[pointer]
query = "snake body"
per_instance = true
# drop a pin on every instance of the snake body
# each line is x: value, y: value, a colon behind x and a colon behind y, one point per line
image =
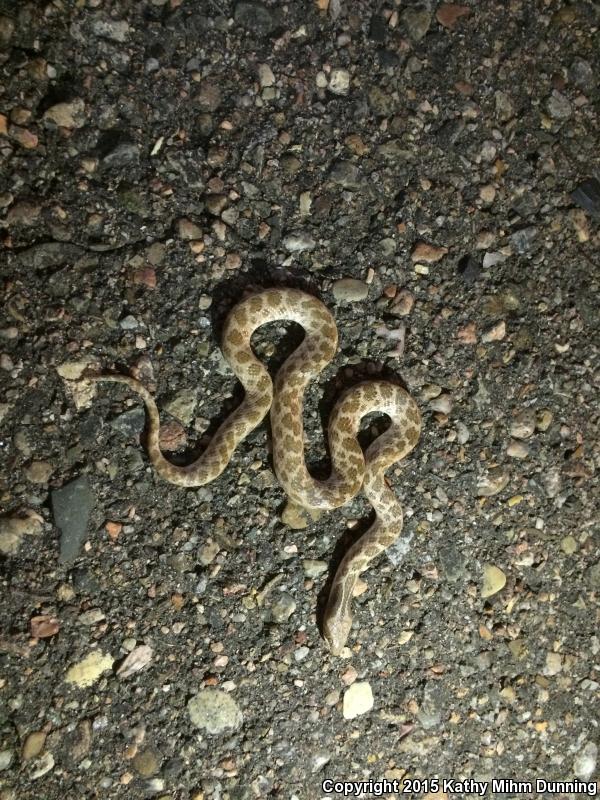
x: 351, y: 469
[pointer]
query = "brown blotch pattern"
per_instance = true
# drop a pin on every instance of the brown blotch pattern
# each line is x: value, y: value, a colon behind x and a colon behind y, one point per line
x: 350, y: 469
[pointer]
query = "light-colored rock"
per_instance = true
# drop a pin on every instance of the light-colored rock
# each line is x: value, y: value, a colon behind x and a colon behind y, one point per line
x: 214, y: 711
x: 188, y: 230
x: 283, y: 607
x: 349, y: 290
x: 442, y: 404
x: 491, y: 484
x: 87, y: 671
x: 314, y: 568
x: 427, y: 253
x: 496, y: 333
x: 299, y: 242
x: 584, y: 765
x: 136, y: 660
x: 339, y: 81
x: 14, y: 528
x: 265, y: 75
x: 493, y: 580
x: 523, y: 424
x: 517, y: 449
x: 39, y: 471
x: 67, y: 115
x: 358, y: 700
x: 33, y: 745
x: 553, y: 665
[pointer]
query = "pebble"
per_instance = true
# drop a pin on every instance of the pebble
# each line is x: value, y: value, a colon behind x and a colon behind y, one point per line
x: 346, y: 174
x: 301, y: 653
x: 587, y: 195
x: 448, y: 14
x: 208, y: 553
x: 543, y: 420
x: 584, y: 765
x: 358, y: 700
x: 469, y: 269
x: 265, y: 75
x: 524, y: 424
x: 113, y: 29
x: 491, y: 484
x: 67, y: 115
x: 188, y: 230
x: 41, y: 766
x: 568, y: 545
x: 122, y: 155
x: 493, y: 580
x: 254, y: 16
x: 349, y: 290
x: 135, y: 661
x: 39, y: 471
x: 558, y: 106
x: 299, y: 242
x: 22, y: 213
x: 428, y: 253
x: 130, y: 423
x: 496, y: 333
x: 504, y: 106
x: 33, y: 745
x: 403, y: 303
x: 214, y: 711
x: 582, y: 75
x: 339, y: 82
x: 517, y: 449
x: 522, y: 240
x: 183, y: 406
x: 283, y: 607
x: 147, y: 762
x: 50, y: 254
x: 553, y: 665
x: 87, y: 671
x: 71, y: 506
x: 208, y: 97
x: 313, y: 568
x: 14, y: 528
x: 552, y: 482
x: 43, y: 626
x: 417, y: 22
x: 442, y: 404
x: 6, y: 758
x: 129, y: 323
x: 487, y: 194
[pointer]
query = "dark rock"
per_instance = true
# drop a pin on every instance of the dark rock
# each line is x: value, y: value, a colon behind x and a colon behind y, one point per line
x: 388, y: 58
x: 130, y: 423
x: 255, y: 17
x: 377, y: 28
x: 346, y: 174
x: 51, y: 254
x: 523, y: 239
x: 469, y: 269
x: 587, y: 196
x: 582, y: 75
x: 122, y: 155
x: 71, y: 506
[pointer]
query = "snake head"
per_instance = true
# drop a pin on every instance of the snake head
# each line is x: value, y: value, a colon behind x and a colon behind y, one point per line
x: 337, y: 622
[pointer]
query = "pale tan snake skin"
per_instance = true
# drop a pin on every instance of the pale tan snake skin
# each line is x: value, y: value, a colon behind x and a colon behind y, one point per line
x: 351, y: 470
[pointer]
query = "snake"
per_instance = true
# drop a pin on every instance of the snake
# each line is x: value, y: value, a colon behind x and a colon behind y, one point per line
x: 351, y: 469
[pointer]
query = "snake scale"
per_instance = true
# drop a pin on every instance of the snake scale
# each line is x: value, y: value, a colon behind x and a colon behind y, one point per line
x: 351, y: 470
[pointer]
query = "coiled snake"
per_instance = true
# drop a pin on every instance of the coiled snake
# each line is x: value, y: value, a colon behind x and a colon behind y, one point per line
x: 351, y: 469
